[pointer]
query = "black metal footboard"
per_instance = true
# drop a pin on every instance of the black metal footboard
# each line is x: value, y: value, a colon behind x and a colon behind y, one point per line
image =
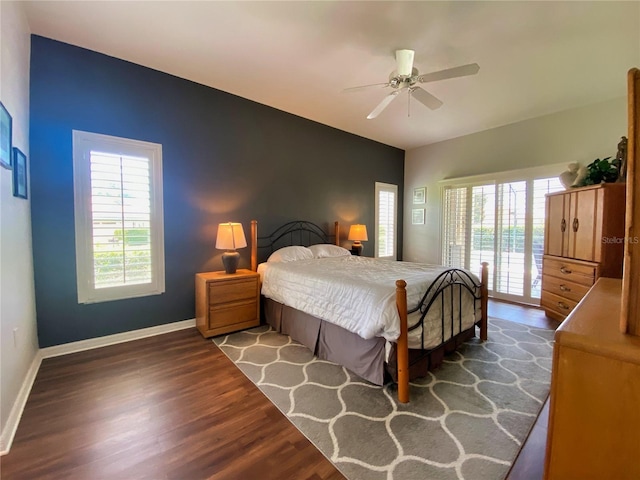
x: 457, y: 283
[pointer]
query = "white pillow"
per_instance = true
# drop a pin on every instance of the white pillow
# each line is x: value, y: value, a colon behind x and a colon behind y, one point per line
x: 290, y: 254
x: 323, y: 250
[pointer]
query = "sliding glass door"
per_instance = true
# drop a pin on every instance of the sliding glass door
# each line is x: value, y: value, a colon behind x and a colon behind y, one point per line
x: 501, y: 223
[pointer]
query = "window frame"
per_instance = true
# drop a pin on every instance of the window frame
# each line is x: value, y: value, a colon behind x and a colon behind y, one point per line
x: 83, y: 144
x: 386, y: 187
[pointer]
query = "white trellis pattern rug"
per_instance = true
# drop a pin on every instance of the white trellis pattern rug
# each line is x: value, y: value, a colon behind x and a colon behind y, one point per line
x: 467, y: 420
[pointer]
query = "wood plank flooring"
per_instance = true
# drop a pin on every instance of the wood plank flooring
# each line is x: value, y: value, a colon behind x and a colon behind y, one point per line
x: 166, y: 407
x: 174, y: 407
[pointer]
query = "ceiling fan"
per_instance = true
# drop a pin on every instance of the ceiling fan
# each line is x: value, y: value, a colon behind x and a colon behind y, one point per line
x: 406, y: 78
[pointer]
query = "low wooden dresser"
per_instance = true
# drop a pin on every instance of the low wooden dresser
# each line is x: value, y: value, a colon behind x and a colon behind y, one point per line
x: 594, y: 408
x: 227, y: 302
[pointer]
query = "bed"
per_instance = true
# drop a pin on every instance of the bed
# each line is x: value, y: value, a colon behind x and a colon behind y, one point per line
x: 378, y: 318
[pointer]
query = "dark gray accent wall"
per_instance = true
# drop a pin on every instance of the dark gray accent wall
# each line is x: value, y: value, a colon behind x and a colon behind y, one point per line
x: 225, y: 158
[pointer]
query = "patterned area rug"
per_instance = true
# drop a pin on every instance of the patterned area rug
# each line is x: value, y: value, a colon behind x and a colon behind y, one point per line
x: 466, y: 420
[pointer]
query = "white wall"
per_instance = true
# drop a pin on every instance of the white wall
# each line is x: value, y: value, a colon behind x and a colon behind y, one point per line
x: 577, y: 135
x: 17, y: 301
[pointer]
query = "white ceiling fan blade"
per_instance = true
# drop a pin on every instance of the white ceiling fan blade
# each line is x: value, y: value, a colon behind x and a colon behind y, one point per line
x: 461, y: 71
x: 383, y: 104
x: 362, y: 87
x: 426, y: 98
x: 404, y: 62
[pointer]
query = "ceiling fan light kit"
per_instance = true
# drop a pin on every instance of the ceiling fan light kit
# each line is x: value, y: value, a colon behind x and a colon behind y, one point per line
x: 404, y: 62
x: 405, y: 77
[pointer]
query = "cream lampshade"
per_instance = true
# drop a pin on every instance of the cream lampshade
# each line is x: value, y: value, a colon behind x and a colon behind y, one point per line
x: 230, y: 237
x: 358, y: 233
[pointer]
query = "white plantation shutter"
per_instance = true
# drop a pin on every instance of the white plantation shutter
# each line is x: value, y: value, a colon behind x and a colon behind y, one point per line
x: 386, y: 218
x: 483, y: 221
x: 119, y: 227
x: 121, y: 214
x: 455, y: 227
x: 510, y: 237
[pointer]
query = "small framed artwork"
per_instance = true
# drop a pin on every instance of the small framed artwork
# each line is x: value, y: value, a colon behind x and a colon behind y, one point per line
x: 417, y: 216
x: 419, y: 195
x: 5, y: 137
x: 19, y: 174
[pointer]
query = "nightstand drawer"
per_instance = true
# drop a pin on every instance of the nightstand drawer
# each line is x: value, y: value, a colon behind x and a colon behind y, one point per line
x: 564, y: 288
x: 581, y: 273
x: 232, y: 313
x: 232, y: 291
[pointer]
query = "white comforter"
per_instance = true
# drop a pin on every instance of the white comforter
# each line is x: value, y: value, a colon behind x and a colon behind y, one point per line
x: 357, y: 293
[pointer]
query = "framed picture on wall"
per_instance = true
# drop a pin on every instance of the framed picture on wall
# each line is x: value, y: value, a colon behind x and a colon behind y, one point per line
x: 5, y: 137
x: 419, y: 195
x: 19, y: 174
x: 417, y: 216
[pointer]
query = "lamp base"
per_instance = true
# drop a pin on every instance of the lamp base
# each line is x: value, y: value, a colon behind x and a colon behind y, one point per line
x: 230, y: 261
x: 356, y: 248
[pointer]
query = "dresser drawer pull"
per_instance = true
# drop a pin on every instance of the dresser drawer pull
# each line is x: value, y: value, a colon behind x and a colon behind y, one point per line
x: 563, y: 225
x: 564, y: 288
x: 565, y: 270
x: 576, y: 224
x: 563, y: 306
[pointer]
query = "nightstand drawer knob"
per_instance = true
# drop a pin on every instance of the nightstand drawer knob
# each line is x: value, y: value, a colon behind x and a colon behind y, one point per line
x: 563, y: 306
x: 564, y: 288
x: 565, y: 270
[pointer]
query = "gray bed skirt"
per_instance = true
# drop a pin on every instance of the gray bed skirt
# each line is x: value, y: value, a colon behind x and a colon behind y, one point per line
x: 365, y: 358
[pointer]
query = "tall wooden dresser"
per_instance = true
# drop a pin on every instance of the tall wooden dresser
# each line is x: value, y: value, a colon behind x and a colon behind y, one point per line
x: 584, y: 240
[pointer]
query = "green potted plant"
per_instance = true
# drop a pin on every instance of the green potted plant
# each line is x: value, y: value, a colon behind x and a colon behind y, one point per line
x: 600, y: 171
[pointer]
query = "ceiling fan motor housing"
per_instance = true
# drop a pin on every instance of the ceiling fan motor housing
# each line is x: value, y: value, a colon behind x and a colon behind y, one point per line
x: 399, y: 81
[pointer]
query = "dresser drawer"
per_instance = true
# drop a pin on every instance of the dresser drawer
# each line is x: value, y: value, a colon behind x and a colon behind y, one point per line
x: 556, y: 303
x: 581, y: 273
x: 232, y: 313
x: 564, y: 288
x: 232, y: 291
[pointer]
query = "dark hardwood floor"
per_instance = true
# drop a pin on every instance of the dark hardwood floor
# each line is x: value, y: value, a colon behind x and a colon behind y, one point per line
x: 165, y: 407
x: 174, y: 407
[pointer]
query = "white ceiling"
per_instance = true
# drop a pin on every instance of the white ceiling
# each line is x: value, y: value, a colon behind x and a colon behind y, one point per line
x: 535, y: 57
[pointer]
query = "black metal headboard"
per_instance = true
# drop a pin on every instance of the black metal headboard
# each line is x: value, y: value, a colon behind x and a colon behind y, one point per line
x: 298, y: 232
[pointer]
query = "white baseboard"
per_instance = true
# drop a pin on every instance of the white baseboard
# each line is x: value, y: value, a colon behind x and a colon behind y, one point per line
x: 9, y: 431
x: 92, y: 343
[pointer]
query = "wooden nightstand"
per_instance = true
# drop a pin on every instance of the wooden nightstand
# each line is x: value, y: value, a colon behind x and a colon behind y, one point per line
x: 227, y: 302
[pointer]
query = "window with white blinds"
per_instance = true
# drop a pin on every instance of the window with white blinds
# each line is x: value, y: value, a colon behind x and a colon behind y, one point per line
x: 386, y: 220
x: 455, y: 227
x: 119, y: 225
x: 502, y: 223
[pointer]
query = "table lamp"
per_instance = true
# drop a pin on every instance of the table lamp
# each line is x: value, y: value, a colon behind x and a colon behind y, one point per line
x: 358, y: 233
x: 230, y: 237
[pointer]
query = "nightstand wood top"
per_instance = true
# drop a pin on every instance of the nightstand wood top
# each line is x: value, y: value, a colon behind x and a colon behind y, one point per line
x: 222, y: 275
